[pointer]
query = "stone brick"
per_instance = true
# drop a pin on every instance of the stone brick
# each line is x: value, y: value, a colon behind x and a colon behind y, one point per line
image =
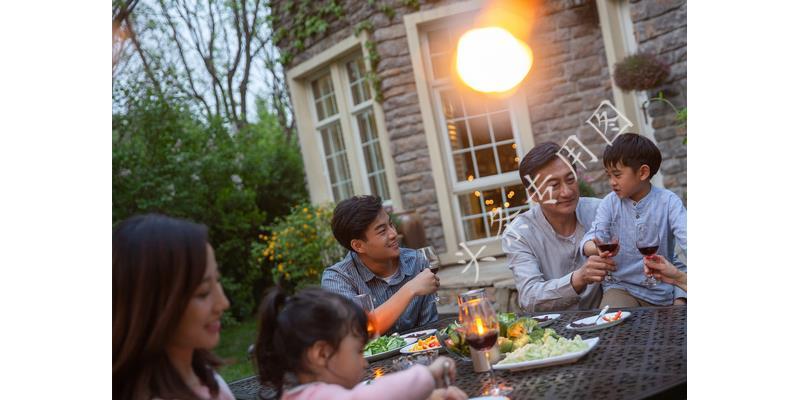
x: 581, y: 69
x: 544, y: 112
x: 401, y: 112
x: 405, y: 131
x: 412, y: 166
x: 651, y: 28
x: 390, y: 32
x: 410, y: 89
x: 404, y: 157
x: 650, y: 9
x: 397, y: 80
x: 392, y: 48
x: 390, y: 72
x: 409, y: 144
x: 568, y: 19
x: 565, y: 123
x: 422, y: 197
x: 585, y: 30
x: 410, y: 187
x: 388, y: 62
x: 398, y: 121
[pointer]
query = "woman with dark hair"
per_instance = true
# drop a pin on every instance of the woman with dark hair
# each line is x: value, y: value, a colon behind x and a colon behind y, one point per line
x: 167, y: 305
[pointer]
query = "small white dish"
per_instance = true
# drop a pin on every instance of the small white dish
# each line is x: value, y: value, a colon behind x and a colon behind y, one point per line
x: 386, y: 354
x: 550, y: 319
x: 550, y: 361
x: 407, y: 349
x: 419, y: 334
x: 601, y: 324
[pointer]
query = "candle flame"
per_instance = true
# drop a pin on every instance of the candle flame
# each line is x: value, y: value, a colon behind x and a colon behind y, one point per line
x: 479, y: 325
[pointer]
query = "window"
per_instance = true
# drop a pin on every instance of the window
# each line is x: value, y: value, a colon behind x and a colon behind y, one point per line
x: 342, y: 103
x: 480, y: 143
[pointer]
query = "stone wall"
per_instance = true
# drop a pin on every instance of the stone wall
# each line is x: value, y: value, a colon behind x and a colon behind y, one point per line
x: 569, y: 80
x: 660, y: 27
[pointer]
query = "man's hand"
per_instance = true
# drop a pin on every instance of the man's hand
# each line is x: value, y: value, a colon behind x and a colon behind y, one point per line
x: 426, y: 282
x: 607, y: 254
x: 590, y: 249
x: 593, y: 271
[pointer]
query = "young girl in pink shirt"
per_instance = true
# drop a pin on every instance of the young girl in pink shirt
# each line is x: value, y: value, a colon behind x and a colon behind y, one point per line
x: 316, y: 339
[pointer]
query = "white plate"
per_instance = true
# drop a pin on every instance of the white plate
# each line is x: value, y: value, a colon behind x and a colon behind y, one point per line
x: 553, y: 318
x: 385, y: 354
x: 602, y: 324
x: 547, y: 362
x: 419, y: 334
x: 407, y: 349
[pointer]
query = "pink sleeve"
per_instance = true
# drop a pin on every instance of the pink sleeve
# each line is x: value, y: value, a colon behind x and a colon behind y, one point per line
x: 415, y: 383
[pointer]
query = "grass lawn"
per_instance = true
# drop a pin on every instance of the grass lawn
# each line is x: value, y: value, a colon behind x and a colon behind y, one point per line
x: 232, y: 347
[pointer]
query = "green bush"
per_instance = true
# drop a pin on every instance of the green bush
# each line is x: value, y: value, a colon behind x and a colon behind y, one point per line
x: 168, y: 160
x: 298, y: 247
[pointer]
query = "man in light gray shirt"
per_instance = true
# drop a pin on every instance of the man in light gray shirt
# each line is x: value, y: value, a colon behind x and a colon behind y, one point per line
x: 543, y: 244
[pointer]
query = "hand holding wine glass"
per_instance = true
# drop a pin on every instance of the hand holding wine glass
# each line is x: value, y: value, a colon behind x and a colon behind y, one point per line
x: 607, y: 241
x: 429, y: 254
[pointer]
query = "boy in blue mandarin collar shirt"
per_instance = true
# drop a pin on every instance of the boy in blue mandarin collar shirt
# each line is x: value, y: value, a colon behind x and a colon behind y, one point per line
x: 630, y: 162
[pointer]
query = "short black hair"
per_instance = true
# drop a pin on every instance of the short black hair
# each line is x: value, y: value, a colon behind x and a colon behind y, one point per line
x: 352, y: 217
x: 633, y: 150
x: 539, y: 156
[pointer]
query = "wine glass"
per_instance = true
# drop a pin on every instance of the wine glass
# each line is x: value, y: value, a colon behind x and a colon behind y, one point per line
x: 365, y: 301
x: 482, y: 327
x: 647, y: 241
x: 465, y: 297
x: 607, y: 239
x: 433, y: 263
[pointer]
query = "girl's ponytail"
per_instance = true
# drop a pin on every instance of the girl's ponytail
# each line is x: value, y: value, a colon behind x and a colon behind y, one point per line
x: 270, y: 365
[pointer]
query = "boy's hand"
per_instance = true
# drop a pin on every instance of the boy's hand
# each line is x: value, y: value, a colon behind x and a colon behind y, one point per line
x: 440, y: 367
x: 426, y: 282
x: 593, y: 271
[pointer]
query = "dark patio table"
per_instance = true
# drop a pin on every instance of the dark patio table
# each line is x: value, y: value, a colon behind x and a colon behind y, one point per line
x: 643, y: 357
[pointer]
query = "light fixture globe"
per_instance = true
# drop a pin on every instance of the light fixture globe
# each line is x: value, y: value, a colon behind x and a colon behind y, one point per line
x: 492, y: 60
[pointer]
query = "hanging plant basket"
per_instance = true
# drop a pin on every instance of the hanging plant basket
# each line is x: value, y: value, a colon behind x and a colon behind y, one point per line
x: 641, y: 71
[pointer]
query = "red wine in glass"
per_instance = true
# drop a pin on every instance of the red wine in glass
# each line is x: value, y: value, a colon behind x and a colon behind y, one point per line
x: 482, y: 342
x: 648, y: 250
x: 609, y: 247
x: 647, y: 241
x: 434, y: 266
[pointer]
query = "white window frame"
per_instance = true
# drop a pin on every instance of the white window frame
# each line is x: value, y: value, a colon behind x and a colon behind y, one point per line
x: 332, y: 61
x: 417, y: 24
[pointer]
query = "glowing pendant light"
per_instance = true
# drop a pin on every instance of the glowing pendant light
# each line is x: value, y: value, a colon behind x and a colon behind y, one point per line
x: 492, y: 60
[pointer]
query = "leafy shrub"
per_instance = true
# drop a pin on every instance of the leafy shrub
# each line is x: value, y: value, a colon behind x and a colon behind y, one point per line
x: 298, y: 247
x: 641, y: 71
x: 168, y: 160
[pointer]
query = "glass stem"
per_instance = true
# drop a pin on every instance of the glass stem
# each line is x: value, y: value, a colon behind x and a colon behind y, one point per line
x: 491, y: 370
